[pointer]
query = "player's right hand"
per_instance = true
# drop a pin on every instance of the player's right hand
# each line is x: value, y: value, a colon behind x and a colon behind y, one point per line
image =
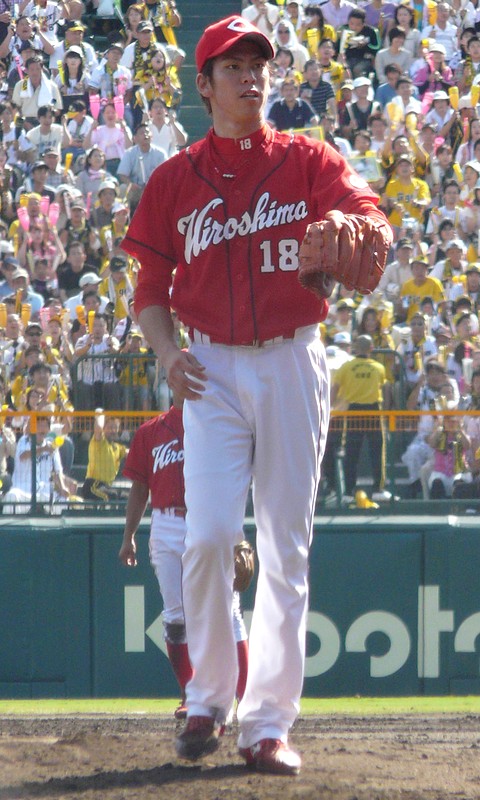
x: 128, y: 554
x: 185, y: 375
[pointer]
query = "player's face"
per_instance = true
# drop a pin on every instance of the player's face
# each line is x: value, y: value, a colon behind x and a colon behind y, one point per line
x: 237, y: 89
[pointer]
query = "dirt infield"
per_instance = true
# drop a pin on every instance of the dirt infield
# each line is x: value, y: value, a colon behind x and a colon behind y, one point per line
x: 81, y: 757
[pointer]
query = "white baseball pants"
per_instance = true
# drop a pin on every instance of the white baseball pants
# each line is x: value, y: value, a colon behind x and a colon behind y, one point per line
x: 263, y: 417
x: 166, y: 546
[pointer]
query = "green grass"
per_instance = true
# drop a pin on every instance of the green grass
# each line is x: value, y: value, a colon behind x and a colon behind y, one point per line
x: 309, y: 706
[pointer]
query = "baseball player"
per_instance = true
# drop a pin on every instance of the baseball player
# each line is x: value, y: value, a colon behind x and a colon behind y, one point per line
x: 228, y: 215
x: 155, y: 465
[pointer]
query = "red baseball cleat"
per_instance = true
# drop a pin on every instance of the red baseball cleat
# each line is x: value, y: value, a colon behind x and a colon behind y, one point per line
x: 272, y: 755
x: 181, y: 710
x: 199, y: 738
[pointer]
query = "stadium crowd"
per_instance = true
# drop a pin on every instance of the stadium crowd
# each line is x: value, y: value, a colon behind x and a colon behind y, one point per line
x: 91, y: 103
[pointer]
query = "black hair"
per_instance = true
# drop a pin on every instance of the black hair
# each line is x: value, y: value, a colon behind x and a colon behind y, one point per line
x: 357, y: 13
x: 396, y: 32
x: 410, y: 11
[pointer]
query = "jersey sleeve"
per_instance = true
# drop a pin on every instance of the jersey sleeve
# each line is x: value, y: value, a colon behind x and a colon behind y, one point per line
x: 152, y: 245
x: 337, y: 185
x: 136, y: 463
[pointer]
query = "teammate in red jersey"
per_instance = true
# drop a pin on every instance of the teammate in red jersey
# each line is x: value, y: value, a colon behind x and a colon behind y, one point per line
x: 228, y: 215
x: 155, y: 466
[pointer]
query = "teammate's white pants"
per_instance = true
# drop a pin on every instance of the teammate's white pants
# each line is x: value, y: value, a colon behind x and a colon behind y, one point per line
x: 167, y: 545
x: 263, y: 415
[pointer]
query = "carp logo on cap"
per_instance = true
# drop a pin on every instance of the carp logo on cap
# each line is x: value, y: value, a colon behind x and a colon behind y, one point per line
x: 222, y: 35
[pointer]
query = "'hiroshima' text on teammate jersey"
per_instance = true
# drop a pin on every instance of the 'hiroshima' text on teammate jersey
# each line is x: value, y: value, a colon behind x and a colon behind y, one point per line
x: 155, y: 458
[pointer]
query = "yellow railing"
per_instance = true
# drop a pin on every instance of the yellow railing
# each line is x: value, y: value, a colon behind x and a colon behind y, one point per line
x: 71, y: 434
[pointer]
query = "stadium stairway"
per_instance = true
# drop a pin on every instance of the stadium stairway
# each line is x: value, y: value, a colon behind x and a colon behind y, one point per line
x: 196, y: 16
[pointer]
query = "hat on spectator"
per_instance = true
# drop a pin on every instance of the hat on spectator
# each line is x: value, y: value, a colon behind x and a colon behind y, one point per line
x: 6, y: 247
x: 436, y: 47
x: 77, y: 202
x: 458, y: 318
x: 420, y: 260
x: 345, y: 302
x: 74, y: 25
x: 432, y: 125
x: 146, y: 25
x: 362, y: 80
x: 418, y: 315
x: 432, y: 363
x: 465, y: 102
x: 114, y: 46
x: 10, y: 261
x: 75, y: 50
x: 475, y: 267
x: 173, y: 51
x: 89, y: 278
x: 222, y: 35
x: 455, y: 243
x: 107, y: 184
x: 474, y: 164
x: 136, y: 332
x: 404, y: 242
x: 119, y: 206
x: 33, y: 326
x: 342, y: 337
x: 117, y: 264
x: 39, y: 165
x: 404, y: 157
x: 19, y: 273
x: 67, y: 187
x: 440, y: 95
x: 51, y: 150
x: 346, y: 85
x: 443, y: 330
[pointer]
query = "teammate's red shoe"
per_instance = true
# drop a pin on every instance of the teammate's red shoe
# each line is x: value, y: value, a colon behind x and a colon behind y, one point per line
x: 199, y: 738
x: 181, y: 710
x: 272, y: 755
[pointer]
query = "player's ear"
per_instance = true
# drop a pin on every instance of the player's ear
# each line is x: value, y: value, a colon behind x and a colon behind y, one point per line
x: 203, y: 85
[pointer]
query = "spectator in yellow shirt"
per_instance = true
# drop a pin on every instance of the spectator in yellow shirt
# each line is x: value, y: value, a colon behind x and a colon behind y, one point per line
x: 405, y: 195
x: 360, y: 382
x: 420, y: 285
x: 117, y: 286
x: 105, y: 454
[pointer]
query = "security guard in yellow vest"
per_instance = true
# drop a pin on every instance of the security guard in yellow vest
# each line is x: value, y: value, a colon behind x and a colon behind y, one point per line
x: 360, y: 383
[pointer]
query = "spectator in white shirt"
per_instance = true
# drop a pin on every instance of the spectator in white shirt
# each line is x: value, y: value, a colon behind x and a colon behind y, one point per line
x: 262, y: 14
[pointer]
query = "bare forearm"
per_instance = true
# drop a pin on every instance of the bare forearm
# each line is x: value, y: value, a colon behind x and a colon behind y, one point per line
x: 157, y: 327
x: 136, y: 505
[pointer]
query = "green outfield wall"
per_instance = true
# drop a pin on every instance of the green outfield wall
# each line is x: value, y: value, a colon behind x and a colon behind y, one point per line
x: 394, y: 609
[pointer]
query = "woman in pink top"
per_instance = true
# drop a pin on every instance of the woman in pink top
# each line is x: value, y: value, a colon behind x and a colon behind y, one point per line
x: 113, y: 137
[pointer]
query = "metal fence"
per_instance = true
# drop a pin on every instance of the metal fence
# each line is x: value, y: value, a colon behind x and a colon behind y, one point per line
x: 63, y: 444
x: 120, y: 381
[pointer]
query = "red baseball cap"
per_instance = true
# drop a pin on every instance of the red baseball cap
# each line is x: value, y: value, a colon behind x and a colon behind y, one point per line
x: 222, y: 35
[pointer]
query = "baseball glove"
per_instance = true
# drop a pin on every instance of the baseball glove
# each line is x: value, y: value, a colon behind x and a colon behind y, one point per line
x: 348, y: 248
x: 243, y: 556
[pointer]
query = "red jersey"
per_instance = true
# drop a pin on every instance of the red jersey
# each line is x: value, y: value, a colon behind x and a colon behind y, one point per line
x: 229, y: 216
x: 156, y: 459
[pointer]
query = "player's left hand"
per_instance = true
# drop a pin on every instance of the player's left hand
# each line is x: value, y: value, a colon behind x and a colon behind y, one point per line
x: 349, y: 248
